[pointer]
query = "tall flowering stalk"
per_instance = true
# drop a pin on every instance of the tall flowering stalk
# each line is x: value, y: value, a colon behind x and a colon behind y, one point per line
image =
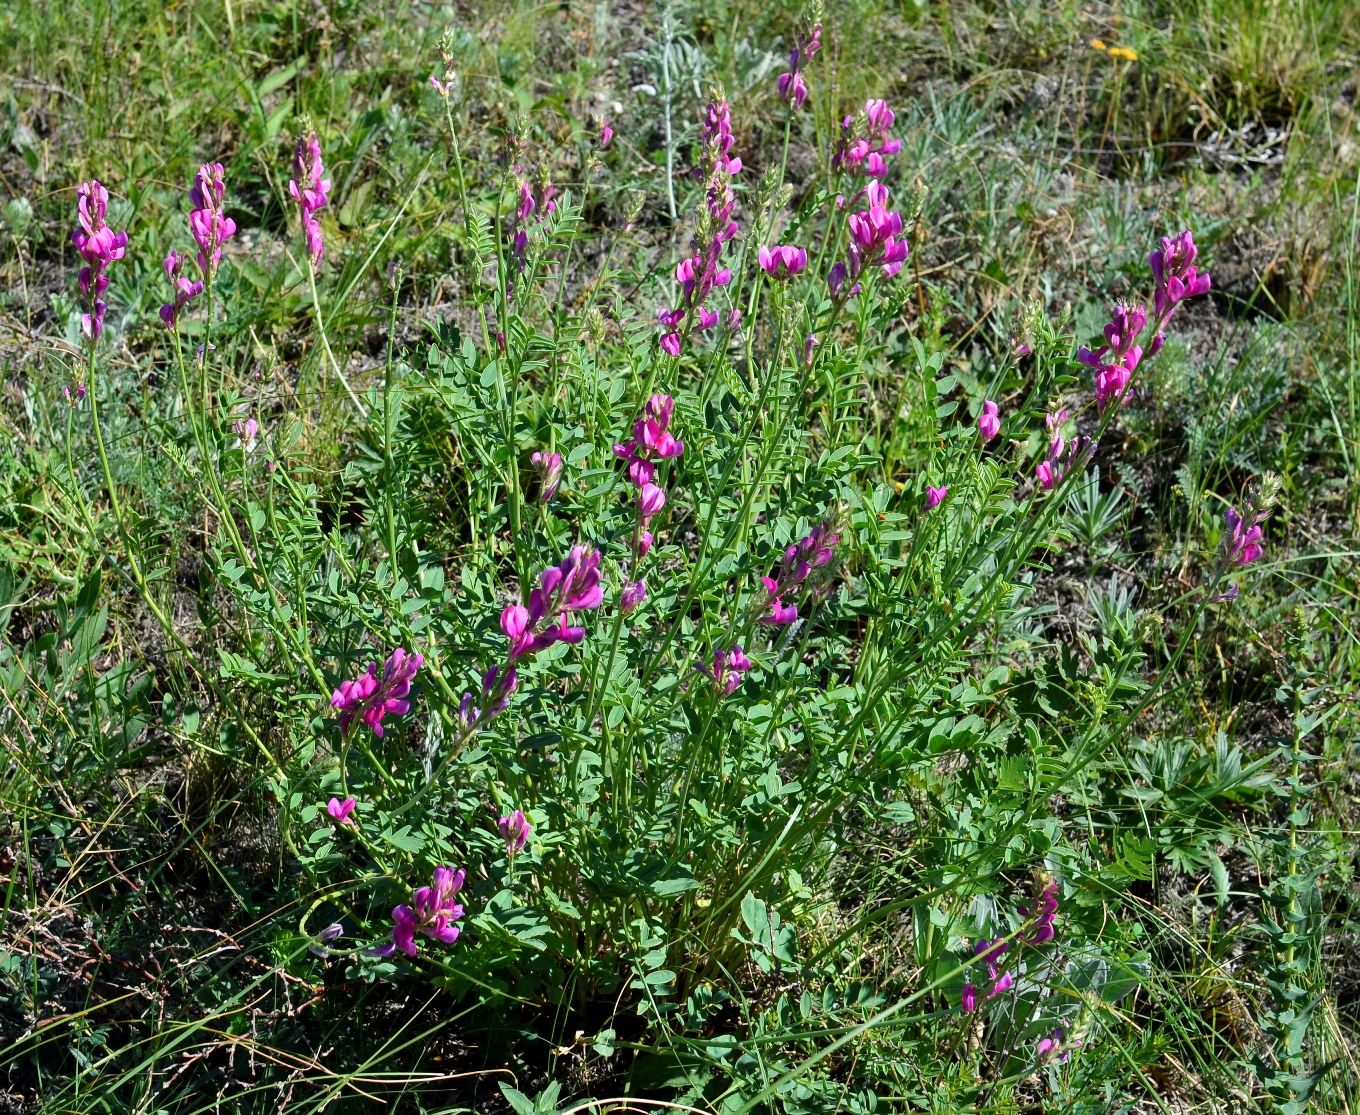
x: 803, y: 567
x: 865, y: 142
x: 373, y: 696
x: 702, y: 270
x: 310, y: 188
x: 98, y: 245
x: 211, y: 228
x: 1175, y: 279
x: 432, y: 913
x: 792, y: 87
x: 569, y: 587
x: 874, y: 241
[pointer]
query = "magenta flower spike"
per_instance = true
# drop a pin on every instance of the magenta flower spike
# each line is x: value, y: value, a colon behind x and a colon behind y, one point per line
x: 372, y: 697
x: 572, y: 586
x: 340, y: 811
x: 309, y: 187
x: 208, y: 220
x: 989, y: 421
x: 1242, y: 542
x: 783, y: 261
x: 98, y: 245
x: 515, y: 830
x: 186, y: 289
x: 1115, y: 361
x: 549, y: 466
x: 935, y: 496
x: 780, y: 614
x: 432, y: 913
x: 1173, y: 268
x: 867, y: 153
x: 728, y: 667
x: 633, y: 595
x: 792, y: 86
x: 701, y: 272
x: 1045, y: 912
x: 874, y: 241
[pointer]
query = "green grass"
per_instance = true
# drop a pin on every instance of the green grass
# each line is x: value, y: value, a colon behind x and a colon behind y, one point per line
x: 766, y: 902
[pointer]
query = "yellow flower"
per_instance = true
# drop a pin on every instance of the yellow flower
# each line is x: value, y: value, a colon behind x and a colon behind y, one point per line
x: 1098, y: 44
x: 1124, y: 52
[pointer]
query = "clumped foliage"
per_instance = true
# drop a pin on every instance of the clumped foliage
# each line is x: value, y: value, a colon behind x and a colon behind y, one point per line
x: 678, y: 564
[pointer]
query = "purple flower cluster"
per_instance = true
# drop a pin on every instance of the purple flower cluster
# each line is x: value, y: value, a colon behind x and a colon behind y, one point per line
x: 549, y: 466
x: 98, y: 245
x: 783, y: 261
x: 1051, y: 470
x: 874, y: 233
x: 537, y: 201
x: 1114, y: 362
x: 572, y: 586
x: 309, y: 188
x: 1242, y: 542
x: 515, y: 830
x: 991, y: 952
x: 989, y: 421
x: 652, y: 441
x: 432, y: 913
x: 211, y: 228
x: 374, y: 696
x: 792, y: 87
x: 185, y: 288
x: 701, y: 271
x: 1173, y: 266
x: 801, y: 560
x: 208, y: 220
x: 865, y: 151
x: 728, y: 667
x: 1117, y: 359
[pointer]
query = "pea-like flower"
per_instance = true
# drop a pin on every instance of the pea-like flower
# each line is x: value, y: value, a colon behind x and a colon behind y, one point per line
x: 549, y: 466
x: 310, y: 188
x: 632, y: 595
x: 1173, y: 267
x: 98, y: 245
x: 865, y: 150
x: 374, y: 696
x: 572, y: 586
x: 728, y: 667
x: 989, y: 421
x: 1242, y: 541
x: 185, y: 288
x: 783, y: 261
x: 340, y: 811
x: 432, y: 913
x: 515, y: 829
x: 791, y: 84
x: 935, y: 496
x: 208, y: 220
